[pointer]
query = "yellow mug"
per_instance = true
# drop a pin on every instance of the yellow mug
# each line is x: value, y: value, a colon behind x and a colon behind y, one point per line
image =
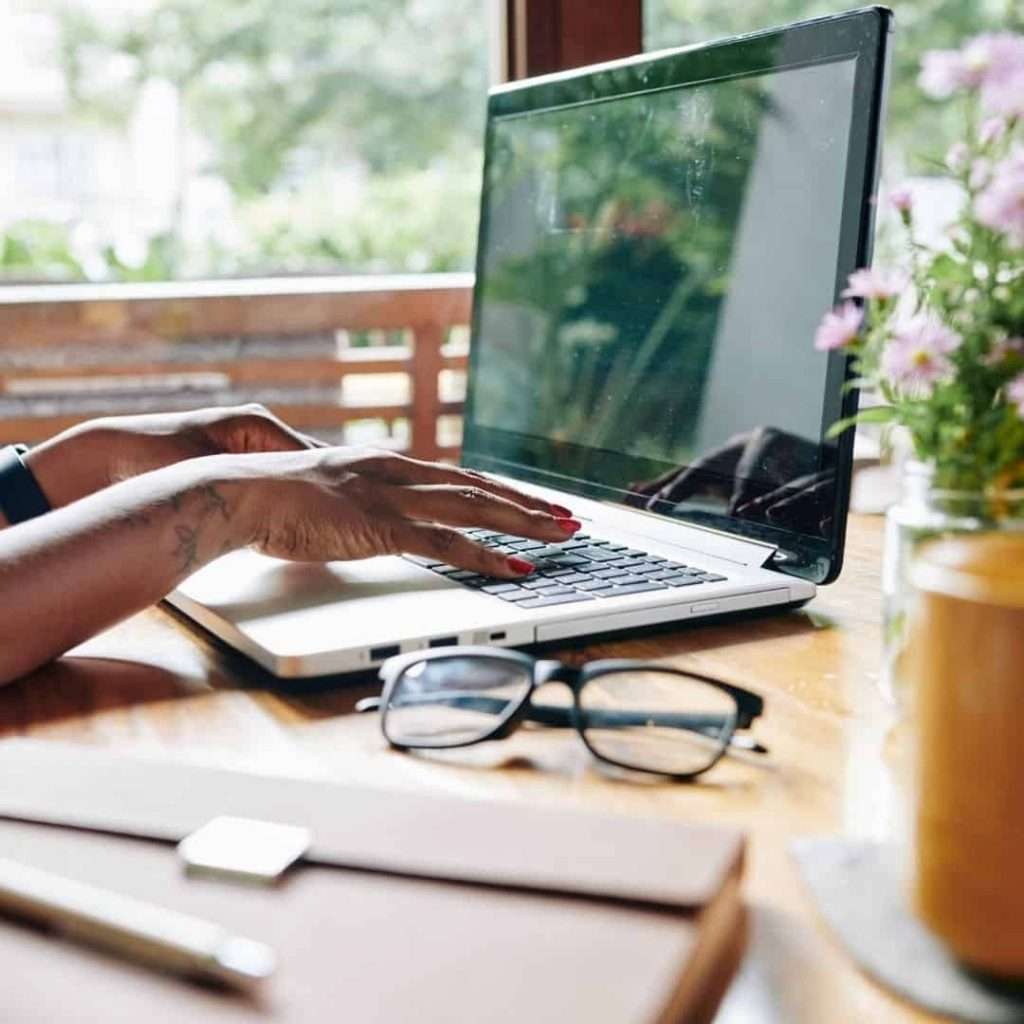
x: 966, y: 667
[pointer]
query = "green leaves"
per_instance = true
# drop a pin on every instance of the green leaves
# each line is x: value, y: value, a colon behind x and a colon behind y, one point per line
x: 872, y: 414
x: 949, y: 392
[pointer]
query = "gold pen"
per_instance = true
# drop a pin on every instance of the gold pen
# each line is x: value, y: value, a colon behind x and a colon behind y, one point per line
x: 141, y: 931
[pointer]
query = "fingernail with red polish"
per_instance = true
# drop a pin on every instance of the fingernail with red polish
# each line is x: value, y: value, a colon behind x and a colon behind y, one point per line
x: 560, y: 511
x: 520, y: 565
x: 569, y: 525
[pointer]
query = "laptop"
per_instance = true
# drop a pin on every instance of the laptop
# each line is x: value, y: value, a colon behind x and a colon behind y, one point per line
x: 659, y: 238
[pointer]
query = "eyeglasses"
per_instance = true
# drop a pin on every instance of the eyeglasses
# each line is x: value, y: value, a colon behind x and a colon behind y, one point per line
x: 644, y: 717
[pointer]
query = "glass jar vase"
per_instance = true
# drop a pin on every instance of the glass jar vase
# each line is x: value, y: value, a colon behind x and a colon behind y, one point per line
x: 925, y: 512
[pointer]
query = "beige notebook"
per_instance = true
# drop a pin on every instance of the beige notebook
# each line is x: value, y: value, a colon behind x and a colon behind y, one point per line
x: 408, y: 908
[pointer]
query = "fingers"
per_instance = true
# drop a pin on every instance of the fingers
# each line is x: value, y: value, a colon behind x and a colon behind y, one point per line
x: 254, y: 428
x: 474, y: 506
x: 278, y: 436
x: 400, y: 469
x: 450, y: 546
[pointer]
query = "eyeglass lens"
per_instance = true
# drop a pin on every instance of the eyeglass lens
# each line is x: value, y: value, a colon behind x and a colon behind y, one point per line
x: 452, y: 701
x: 656, y: 721
x: 640, y: 718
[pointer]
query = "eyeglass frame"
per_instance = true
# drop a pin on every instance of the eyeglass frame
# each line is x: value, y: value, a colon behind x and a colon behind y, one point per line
x: 749, y: 705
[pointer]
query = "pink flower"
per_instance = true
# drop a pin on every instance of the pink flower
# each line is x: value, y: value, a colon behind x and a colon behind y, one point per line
x: 992, y: 63
x: 901, y: 199
x: 999, y: 57
x: 944, y: 72
x: 1005, y: 96
x: 957, y: 156
x: 839, y: 327
x: 1002, y: 349
x: 917, y: 355
x: 1015, y: 393
x: 981, y: 170
x: 1001, y: 205
x: 875, y: 284
x: 991, y: 131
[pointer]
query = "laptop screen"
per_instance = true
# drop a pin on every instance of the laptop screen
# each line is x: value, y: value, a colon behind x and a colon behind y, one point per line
x: 653, y: 264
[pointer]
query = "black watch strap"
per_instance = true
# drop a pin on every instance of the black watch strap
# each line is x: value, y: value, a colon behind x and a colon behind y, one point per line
x: 20, y: 495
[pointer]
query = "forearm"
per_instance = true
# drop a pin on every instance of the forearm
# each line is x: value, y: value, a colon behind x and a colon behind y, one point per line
x: 80, y: 569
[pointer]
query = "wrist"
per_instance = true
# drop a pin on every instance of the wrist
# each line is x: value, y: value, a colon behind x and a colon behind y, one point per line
x: 224, y: 492
x: 70, y: 465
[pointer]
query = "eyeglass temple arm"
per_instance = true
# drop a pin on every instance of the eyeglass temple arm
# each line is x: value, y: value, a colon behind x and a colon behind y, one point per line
x: 561, y: 718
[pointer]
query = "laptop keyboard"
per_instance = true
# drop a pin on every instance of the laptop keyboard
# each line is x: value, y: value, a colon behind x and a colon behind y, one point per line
x: 583, y: 569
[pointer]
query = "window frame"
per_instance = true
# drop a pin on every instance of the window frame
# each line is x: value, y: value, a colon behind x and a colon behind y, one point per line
x: 542, y: 36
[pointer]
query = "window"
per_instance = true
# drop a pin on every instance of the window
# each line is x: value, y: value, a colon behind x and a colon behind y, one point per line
x: 183, y: 138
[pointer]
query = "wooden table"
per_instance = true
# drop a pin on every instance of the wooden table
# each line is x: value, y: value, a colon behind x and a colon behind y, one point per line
x: 152, y: 685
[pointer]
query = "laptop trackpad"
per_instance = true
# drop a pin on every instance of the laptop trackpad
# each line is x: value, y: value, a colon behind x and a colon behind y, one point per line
x: 300, y: 608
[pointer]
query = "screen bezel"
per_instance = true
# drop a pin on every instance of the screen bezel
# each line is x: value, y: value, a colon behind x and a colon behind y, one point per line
x: 862, y: 35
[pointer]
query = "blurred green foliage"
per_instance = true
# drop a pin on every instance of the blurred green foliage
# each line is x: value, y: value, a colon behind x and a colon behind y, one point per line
x: 284, y: 93
x: 36, y: 247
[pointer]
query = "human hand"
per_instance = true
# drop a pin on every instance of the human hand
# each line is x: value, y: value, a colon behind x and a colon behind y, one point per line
x: 342, y: 503
x: 95, y: 454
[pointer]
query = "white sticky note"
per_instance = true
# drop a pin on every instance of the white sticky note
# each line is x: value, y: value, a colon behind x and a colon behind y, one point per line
x: 244, y: 848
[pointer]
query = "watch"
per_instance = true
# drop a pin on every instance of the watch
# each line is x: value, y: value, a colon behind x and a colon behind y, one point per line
x: 20, y: 495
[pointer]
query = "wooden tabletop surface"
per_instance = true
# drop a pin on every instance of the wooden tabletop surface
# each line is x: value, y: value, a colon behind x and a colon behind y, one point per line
x: 153, y: 685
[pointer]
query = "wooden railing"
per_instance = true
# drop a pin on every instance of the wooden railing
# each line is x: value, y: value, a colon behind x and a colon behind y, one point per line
x: 69, y: 353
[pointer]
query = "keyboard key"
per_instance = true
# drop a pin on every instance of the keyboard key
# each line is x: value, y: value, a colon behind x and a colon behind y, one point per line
x: 663, y: 574
x: 682, y: 581
x: 593, y: 585
x: 545, y: 602
x: 573, y: 578
x: 711, y: 578
x: 481, y: 534
x: 626, y: 563
x: 527, y: 545
x: 506, y: 538
x: 500, y: 588
x: 553, y: 589
x: 632, y: 588
x: 607, y: 574
x: 556, y: 572
x: 534, y: 582
x: 462, y: 575
x: 516, y: 595
x: 427, y: 563
x: 645, y: 568
x: 598, y: 554
x: 445, y: 570
x: 621, y: 581
x: 568, y: 560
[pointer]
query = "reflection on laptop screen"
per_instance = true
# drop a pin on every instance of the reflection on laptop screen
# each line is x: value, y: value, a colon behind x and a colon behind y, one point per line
x: 651, y: 272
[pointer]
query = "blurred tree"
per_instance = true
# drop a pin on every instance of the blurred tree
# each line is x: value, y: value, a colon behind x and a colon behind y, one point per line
x: 29, y: 248
x: 281, y: 91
